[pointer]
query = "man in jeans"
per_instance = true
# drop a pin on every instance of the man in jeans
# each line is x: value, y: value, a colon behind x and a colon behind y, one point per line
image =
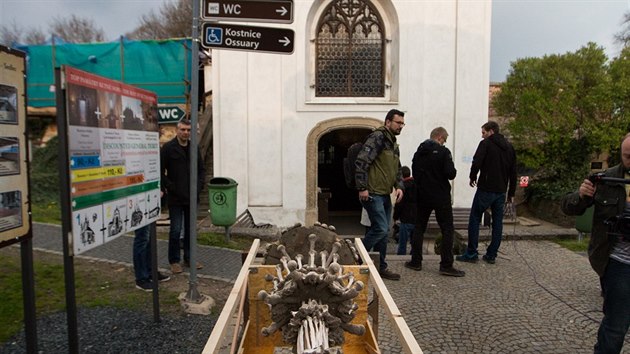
x: 433, y: 169
x: 142, y: 260
x: 496, y: 159
x: 377, y: 174
x: 175, y: 166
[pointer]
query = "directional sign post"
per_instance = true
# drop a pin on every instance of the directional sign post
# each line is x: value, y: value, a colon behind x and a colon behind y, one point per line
x: 247, y: 38
x: 278, y: 11
x: 170, y: 114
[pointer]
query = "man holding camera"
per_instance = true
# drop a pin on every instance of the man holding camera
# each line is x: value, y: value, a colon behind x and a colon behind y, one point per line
x: 609, y: 247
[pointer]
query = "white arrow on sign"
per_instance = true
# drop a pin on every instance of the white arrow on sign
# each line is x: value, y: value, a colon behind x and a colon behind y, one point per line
x: 286, y: 41
x: 282, y: 11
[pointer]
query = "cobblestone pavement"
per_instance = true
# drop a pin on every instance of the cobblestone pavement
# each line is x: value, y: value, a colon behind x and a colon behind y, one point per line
x: 537, y: 298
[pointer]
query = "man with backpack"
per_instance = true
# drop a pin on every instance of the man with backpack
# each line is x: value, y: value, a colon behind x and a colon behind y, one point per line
x: 377, y: 172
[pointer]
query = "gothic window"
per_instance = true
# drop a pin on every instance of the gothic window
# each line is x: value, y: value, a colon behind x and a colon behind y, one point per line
x: 350, y: 48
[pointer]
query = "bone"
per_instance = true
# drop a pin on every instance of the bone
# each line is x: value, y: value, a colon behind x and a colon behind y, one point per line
x: 282, y: 249
x: 312, y: 238
x: 358, y: 330
x: 350, y: 282
x: 324, y: 255
x: 359, y: 285
x: 292, y: 265
x: 284, y: 261
x: 311, y: 259
x: 332, y: 228
x: 279, y: 271
x: 335, y: 248
x: 298, y: 259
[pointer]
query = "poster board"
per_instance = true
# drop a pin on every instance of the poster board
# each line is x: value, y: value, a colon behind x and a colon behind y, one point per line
x: 114, y: 158
x: 14, y: 191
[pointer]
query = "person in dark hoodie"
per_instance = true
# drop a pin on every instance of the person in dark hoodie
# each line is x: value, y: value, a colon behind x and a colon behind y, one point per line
x: 405, y: 212
x: 496, y: 159
x: 433, y: 169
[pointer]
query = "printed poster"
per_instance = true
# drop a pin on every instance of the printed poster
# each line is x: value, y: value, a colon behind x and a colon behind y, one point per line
x: 114, y: 152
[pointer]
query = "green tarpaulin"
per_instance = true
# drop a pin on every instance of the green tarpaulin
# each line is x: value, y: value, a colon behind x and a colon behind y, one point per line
x: 159, y: 66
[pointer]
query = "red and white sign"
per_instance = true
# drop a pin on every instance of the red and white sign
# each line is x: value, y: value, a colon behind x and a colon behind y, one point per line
x: 524, y: 181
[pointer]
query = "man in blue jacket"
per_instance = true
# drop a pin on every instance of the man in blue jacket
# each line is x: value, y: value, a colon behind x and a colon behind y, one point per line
x: 496, y: 159
x: 175, y: 172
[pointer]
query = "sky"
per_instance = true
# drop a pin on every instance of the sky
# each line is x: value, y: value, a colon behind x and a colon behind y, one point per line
x: 520, y: 28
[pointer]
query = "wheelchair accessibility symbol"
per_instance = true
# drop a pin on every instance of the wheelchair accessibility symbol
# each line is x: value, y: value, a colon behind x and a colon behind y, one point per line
x: 214, y: 35
x: 219, y: 198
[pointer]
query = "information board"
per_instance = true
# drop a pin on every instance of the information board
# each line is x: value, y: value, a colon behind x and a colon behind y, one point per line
x: 14, y: 193
x: 114, y: 158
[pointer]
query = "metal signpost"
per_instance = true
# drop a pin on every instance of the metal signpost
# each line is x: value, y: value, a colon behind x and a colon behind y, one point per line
x: 278, y: 11
x: 247, y: 38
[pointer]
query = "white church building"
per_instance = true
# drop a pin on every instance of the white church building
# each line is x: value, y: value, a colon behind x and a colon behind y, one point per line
x: 282, y: 123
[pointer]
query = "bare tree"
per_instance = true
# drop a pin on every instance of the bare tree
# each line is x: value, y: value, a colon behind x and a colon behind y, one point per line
x: 174, y: 20
x: 623, y: 37
x: 14, y: 33
x: 75, y: 29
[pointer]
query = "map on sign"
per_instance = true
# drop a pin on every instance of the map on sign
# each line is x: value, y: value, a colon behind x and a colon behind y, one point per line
x: 114, y: 158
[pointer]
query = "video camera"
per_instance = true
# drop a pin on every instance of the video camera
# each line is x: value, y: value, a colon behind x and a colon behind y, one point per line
x: 618, y: 225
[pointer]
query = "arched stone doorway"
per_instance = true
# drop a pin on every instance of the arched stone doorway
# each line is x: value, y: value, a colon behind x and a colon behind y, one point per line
x: 338, y: 134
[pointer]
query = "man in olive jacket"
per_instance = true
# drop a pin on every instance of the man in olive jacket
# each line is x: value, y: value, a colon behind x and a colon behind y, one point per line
x: 175, y: 172
x: 377, y: 173
x: 609, y: 246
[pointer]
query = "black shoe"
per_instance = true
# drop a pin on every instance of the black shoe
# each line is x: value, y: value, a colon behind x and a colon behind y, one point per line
x: 388, y: 274
x: 489, y: 260
x: 413, y: 266
x: 144, y: 285
x: 163, y: 277
x: 469, y: 258
x: 450, y: 271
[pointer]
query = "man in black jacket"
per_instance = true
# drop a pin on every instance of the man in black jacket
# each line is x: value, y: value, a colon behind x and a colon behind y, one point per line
x: 175, y: 171
x: 433, y: 169
x: 609, y: 246
x: 496, y: 159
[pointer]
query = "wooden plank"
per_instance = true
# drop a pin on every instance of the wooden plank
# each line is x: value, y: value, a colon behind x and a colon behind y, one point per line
x: 408, y: 341
x: 218, y: 333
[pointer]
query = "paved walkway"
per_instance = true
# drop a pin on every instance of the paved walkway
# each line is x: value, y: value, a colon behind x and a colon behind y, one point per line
x: 537, y: 298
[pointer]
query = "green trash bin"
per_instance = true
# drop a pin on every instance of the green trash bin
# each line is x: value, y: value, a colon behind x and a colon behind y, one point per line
x: 222, y: 197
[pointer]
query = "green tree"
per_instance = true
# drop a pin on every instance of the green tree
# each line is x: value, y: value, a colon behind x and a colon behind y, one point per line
x: 563, y: 108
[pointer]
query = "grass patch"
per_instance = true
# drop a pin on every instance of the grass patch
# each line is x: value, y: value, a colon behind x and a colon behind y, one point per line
x: 94, y: 286
x: 573, y: 244
x: 49, y: 213
x: 218, y: 240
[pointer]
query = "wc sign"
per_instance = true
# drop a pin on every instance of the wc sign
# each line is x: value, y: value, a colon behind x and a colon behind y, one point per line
x: 170, y: 114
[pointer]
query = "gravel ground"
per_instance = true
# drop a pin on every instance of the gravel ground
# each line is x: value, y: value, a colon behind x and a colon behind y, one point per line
x: 114, y: 330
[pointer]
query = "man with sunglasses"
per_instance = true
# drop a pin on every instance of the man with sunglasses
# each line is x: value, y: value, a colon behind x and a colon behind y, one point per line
x: 378, y: 172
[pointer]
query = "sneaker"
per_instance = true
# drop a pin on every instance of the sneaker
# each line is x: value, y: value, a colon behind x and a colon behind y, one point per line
x: 488, y: 259
x: 413, y: 266
x: 163, y: 277
x: 176, y: 268
x: 144, y: 285
x: 388, y: 274
x: 450, y: 271
x: 187, y: 265
x: 467, y: 258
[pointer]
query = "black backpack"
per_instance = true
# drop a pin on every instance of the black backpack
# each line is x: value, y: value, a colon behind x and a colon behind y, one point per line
x: 349, y: 166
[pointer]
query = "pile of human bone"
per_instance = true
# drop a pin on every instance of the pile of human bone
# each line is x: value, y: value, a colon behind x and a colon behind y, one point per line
x: 312, y: 300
